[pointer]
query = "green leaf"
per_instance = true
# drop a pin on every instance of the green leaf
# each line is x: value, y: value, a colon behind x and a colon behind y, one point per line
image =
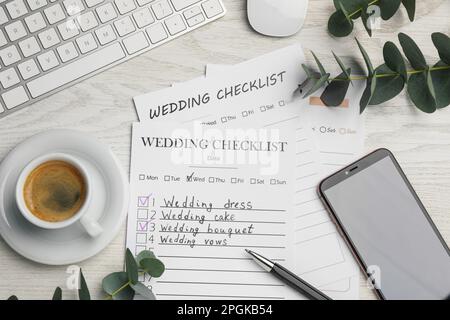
x: 442, y: 43
x: 420, y: 94
x: 319, y: 64
x: 143, y: 291
x: 387, y: 87
x: 143, y: 255
x: 441, y: 83
x: 412, y: 52
x: 394, y: 59
x: 365, y: 20
x: 57, y: 295
x: 154, y: 267
x: 345, y: 71
x: 335, y: 92
x: 410, y: 6
x: 339, y: 25
x: 13, y: 297
x: 83, y: 291
x: 116, y: 285
x: 366, y: 58
x: 131, y: 267
x: 317, y: 84
x: 388, y: 8
x: 367, y: 94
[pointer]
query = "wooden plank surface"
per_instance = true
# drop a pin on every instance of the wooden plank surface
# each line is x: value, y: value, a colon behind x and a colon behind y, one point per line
x: 102, y: 106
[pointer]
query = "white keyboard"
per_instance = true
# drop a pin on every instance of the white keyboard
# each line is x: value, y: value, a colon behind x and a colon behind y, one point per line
x: 47, y: 45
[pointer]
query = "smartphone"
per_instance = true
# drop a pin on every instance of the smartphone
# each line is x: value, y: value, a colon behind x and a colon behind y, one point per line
x: 388, y: 229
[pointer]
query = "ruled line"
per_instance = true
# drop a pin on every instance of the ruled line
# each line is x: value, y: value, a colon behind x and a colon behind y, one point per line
x: 241, y: 221
x: 212, y: 167
x: 337, y: 152
x: 227, y: 246
x: 217, y: 296
x: 307, y: 201
x: 212, y: 258
x: 228, y: 209
x: 309, y: 213
x: 224, y: 283
x: 304, y: 164
x: 307, y: 176
x: 216, y: 270
x: 227, y: 233
x: 281, y: 121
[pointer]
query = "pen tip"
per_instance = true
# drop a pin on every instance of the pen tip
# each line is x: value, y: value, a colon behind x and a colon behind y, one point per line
x: 246, y: 250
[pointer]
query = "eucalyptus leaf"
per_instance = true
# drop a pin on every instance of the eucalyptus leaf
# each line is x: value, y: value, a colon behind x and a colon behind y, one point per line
x: 116, y: 285
x: 143, y: 255
x: 387, y: 87
x: 317, y: 85
x: 412, y: 52
x: 366, y: 58
x: 365, y: 20
x: 339, y: 25
x: 335, y: 92
x: 345, y: 71
x: 367, y: 94
x: 143, y: 291
x: 420, y: 94
x: 394, y: 59
x: 388, y: 8
x: 442, y: 43
x: 131, y: 267
x: 57, y: 295
x: 441, y: 83
x: 13, y: 297
x: 154, y: 267
x: 410, y: 6
x: 319, y: 64
x: 83, y: 291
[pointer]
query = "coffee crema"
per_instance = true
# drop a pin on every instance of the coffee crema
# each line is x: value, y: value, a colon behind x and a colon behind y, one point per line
x: 54, y: 191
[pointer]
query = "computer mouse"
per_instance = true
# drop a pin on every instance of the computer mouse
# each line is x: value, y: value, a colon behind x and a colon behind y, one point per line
x: 277, y: 18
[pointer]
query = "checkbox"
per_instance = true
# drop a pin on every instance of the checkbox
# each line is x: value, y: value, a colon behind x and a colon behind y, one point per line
x: 211, y: 180
x: 143, y: 201
x: 262, y: 108
x: 142, y: 177
x: 252, y: 180
x: 223, y: 119
x: 142, y: 225
x: 139, y: 249
x: 166, y: 178
x: 141, y: 238
x: 233, y: 180
x: 142, y: 214
x: 273, y: 181
x: 281, y: 103
x: 244, y: 113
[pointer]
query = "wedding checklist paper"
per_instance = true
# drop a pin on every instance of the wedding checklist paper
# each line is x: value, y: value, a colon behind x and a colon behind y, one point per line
x: 199, y: 197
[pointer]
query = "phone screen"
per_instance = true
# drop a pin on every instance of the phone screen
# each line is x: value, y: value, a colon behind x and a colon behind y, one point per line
x: 391, y: 232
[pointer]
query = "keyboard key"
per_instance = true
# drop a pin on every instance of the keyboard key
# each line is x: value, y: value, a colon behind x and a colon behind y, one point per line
x: 192, y: 12
x: 28, y: 69
x: 15, y: 97
x: 182, y: 4
x: 48, y: 38
x: 87, y: 21
x: 3, y: 17
x: 106, y: 12
x: 29, y: 47
x: 16, y: 8
x: 54, y: 14
x: 36, y: 4
x: 156, y: 33
x: 15, y: 30
x: 161, y: 9
x: 67, y: 52
x: 175, y: 24
x: 93, y: 3
x: 124, y: 26
x: 1, y: 108
x: 212, y: 8
x: 9, y: 78
x: 75, y: 70
x: 86, y: 43
x: 73, y: 7
x: 48, y: 60
x: 143, y: 17
x: 105, y: 34
x: 9, y: 55
x: 195, y: 20
x: 135, y: 43
x: 125, y: 6
x: 35, y: 22
x: 143, y: 2
x: 3, y: 40
x: 68, y: 29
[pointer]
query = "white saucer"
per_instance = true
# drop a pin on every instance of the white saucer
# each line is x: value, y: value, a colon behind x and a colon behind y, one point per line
x: 71, y: 244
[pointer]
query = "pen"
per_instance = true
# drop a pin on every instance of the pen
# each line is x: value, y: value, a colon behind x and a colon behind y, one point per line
x: 288, y: 277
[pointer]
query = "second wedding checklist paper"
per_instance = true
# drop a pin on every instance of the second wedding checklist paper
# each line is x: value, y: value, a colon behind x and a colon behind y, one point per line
x: 252, y: 102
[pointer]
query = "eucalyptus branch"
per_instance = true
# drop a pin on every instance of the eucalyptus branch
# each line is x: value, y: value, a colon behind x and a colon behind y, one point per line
x: 340, y: 23
x: 428, y: 86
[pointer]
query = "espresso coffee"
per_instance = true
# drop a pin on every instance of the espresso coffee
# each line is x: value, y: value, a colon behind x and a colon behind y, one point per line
x: 54, y: 191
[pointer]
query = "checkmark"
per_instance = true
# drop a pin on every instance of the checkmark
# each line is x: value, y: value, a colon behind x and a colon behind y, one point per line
x: 143, y: 201
x: 189, y: 178
x: 142, y: 226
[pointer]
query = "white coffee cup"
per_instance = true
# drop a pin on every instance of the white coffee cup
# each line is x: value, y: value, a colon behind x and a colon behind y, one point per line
x: 90, y: 224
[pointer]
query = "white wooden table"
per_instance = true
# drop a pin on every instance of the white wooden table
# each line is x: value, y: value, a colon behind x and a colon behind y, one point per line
x: 103, y: 107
